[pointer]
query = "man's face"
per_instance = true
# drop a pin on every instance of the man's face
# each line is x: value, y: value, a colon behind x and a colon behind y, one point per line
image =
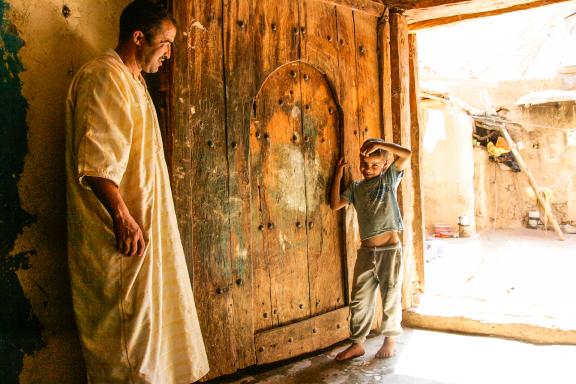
x: 371, y: 167
x: 153, y: 52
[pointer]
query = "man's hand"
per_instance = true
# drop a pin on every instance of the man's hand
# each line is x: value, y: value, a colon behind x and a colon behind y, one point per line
x: 129, y: 237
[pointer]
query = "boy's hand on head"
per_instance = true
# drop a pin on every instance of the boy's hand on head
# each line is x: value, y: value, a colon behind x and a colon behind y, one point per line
x: 368, y: 148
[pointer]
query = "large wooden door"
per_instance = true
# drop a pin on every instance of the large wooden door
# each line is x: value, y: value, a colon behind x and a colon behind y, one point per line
x: 297, y: 241
x: 266, y: 96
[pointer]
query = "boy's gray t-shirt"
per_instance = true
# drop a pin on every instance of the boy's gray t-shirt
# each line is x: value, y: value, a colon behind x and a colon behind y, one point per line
x: 376, y: 203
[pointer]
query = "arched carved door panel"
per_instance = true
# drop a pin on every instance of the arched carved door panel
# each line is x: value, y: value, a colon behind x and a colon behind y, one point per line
x: 297, y: 243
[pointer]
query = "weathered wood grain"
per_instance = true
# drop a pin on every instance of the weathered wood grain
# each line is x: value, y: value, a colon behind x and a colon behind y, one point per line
x: 321, y: 144
x: 201, y: 176
x: 418, y: 225
x: 399, y: 59
x: 276, y: 42
x: 302, y: 337
x: 276, y: 37
x: 385, y: 79
x: 347, y: 93
x: 319, y: 38
x: 239, y: 60
x: 265, y: 99
x: 277, y: 164
x: 368, y: 95
x: 366, y: 50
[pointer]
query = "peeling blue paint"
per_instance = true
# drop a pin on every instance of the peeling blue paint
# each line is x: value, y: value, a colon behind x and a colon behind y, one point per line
x: 20, y: 329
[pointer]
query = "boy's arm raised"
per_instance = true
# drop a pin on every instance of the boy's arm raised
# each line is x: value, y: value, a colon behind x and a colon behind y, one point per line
x: 402, y: 153
x: 337, y: 202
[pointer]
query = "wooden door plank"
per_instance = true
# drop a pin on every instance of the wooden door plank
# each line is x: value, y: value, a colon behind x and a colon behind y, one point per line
x: 365, y: 31
x: 278, y: 175
x: 302, y: 337
x: 322, y: 144
x: 262, y: 307
x: 418, y: 225
x: 326, y: 248
x: 201, y: 174
x: 276, y: 42
x: 399, y: 59
x: 319, y: 38
x: 347, y: 94
x: 385, y: 76
x: 241, y: 86
x: 276, y: 37
x: 367, y: 75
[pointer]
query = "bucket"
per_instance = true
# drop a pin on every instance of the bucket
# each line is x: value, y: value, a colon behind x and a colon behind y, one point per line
x: 464, y: 230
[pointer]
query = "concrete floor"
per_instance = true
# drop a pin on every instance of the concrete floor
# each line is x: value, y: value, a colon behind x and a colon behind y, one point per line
x: 427, y: 357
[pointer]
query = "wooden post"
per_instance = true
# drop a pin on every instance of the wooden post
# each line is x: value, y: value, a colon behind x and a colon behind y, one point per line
x: 532, y: 181
x: 400, y: 80
x: 385, y: 76
x: 416, y: 163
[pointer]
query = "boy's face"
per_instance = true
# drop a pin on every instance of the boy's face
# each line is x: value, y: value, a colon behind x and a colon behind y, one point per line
x: 371, y: 167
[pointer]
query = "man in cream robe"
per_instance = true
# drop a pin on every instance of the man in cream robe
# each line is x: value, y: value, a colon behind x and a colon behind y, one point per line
x: 131, y: 290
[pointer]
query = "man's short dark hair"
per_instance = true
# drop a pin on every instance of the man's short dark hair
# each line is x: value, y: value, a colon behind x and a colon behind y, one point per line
x: 142, y: 15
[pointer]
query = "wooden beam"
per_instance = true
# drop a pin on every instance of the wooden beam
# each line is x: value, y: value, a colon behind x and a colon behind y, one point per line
x: 420, y: 18
x: 416, y: 163
x: 530, y: 333
x: 547, y: 209
x: 302, y: 337
x: 370, y: 7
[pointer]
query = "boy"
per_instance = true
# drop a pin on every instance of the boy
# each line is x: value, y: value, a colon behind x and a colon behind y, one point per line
x: 379, y: 259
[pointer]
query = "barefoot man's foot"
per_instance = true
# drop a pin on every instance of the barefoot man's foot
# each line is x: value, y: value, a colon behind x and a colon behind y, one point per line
x: 387, y: 349
x: 354, y: 350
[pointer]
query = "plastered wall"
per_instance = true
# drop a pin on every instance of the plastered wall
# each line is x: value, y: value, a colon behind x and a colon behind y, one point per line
x: 43, y: 44
x: 460, y: 179
x: 448, y: 167
x: 541, y: 131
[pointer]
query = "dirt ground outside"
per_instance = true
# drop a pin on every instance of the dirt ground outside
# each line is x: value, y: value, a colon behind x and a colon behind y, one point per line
x: 521, y: 276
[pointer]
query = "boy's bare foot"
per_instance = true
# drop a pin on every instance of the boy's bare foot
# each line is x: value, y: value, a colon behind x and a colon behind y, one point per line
x: 387, y: 349
x: 354, y: 350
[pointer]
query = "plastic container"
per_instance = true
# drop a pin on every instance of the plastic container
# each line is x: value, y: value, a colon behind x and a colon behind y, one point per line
x: 442, y: 230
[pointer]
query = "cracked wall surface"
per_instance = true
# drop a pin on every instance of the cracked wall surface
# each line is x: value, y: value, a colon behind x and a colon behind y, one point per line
x: 43, y: 44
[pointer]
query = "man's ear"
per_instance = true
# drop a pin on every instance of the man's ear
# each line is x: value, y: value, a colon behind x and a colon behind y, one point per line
x: 138, y: 38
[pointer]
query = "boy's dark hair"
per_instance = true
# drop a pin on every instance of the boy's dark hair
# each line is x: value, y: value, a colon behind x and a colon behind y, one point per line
x: 142, y: 15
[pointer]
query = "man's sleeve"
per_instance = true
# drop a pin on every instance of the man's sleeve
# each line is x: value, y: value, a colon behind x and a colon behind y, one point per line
x: 103, y: 126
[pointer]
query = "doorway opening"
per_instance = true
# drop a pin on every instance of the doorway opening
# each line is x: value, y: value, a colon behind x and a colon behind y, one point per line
x: 492, y: 253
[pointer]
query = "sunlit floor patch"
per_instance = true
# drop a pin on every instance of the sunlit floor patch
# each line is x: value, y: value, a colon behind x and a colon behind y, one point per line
x: 427, y: 357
